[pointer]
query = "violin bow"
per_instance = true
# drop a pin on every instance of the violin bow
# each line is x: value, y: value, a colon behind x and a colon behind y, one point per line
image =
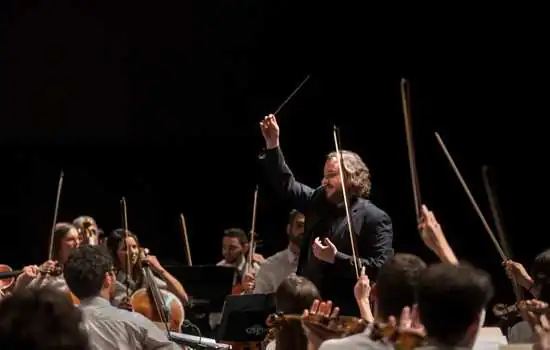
x: 471, y: 198
x: 55, y: 212
x: 124, y: 213
x: 341, y: 167
x: 497, y: 218
x: 186, y: 240
x: 251, y: 248
x: 405, y: 102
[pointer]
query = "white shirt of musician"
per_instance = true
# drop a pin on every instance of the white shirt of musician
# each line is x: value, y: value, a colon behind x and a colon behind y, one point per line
x: 111, y: 328
x: 274, y: 270
x: 520, y: 333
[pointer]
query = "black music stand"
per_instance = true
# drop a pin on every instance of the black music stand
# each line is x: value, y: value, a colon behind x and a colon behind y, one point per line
x: 207, y: 285
x: 244, y: 316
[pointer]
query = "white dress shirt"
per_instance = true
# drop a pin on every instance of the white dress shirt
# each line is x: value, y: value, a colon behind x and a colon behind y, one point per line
x: 274, y: 270
x: 111, y: 328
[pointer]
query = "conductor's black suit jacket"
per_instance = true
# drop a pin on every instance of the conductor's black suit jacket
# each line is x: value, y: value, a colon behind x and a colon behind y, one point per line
x: 371, y: 225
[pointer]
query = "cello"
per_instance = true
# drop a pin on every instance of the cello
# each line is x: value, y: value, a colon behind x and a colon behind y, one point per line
x: 160, y: 306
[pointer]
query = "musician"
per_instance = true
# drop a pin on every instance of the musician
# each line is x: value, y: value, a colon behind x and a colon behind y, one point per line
x: 293, y: 295
x: 89, y: 232
x: 90, y: 274
x: 451, y: 304
x: 280, y: 265
x: 41, y: 318
x: 235, y: 251
x: 235, y: 247
x: 538, y: 286
x: 117, y: 247
x: 326, y: 251
x: 65, y: 239
x: 394, y: 289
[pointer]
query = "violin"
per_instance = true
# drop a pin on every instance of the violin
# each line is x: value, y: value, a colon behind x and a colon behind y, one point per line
x: 405, y: 340
x: 7, y: 276
x: 503, y: 310
x: 322, y: 327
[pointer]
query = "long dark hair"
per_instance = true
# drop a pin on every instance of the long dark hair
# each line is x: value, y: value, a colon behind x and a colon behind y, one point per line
x: 115, y: 241
x: 60, y: 231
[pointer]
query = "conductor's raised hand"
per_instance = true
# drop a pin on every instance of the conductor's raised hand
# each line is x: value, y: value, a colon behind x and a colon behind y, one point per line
x: 270, y: 131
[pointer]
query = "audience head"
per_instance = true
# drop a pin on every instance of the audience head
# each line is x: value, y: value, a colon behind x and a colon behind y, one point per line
x: 395, y: 285
x: 89, y: 272
x: 451, y: 302
x: 41, y: 319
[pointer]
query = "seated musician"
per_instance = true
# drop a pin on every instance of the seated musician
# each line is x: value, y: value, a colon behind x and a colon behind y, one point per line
x: 279, y: 266
x: 538, y: 286
x: 394, y: 290
x: 116, y: 245
x: 65, y: 239
x: 235, y: 250
x: 293, y: 295
x: 89, y: 232
x: 90, y: 274
x: 41, y: 318
x: 451, y: 304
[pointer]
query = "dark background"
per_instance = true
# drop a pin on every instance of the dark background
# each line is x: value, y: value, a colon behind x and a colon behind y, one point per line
x: 161, y: 102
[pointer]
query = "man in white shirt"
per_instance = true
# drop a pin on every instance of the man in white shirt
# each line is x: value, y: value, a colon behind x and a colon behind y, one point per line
x: 280, y: 265
x: 89, y: 273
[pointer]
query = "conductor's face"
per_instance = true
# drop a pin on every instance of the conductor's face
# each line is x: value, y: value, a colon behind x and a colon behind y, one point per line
x: 331, y: 180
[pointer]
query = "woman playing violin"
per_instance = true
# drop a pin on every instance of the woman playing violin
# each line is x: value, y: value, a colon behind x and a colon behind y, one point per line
x: 65, y: 239
x: 118, y: 246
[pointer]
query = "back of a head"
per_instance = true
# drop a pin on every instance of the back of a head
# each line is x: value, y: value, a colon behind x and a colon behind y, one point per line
x: 85, y: 270
x: 450, y: 300
x: 40, y: 319
x: 396, y: 284
x: 295, y: 294
x: 540, y: 271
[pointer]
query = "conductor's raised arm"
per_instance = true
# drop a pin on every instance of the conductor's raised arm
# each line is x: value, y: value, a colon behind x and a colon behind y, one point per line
x: 277, y: 170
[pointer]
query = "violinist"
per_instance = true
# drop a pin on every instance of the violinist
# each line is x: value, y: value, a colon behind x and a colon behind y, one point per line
x: 451, y: 304
x: 117, y: 247
x: 537, y: 283
x: 325, y: 256
x: 50, y: 273
x: 394, y: 290
x: 234, y: 250
x: 90, y: 274
x: 293, y: 295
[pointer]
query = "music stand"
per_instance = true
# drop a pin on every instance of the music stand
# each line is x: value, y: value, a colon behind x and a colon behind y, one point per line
x: 244, y: 316
x: 208, y: 285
